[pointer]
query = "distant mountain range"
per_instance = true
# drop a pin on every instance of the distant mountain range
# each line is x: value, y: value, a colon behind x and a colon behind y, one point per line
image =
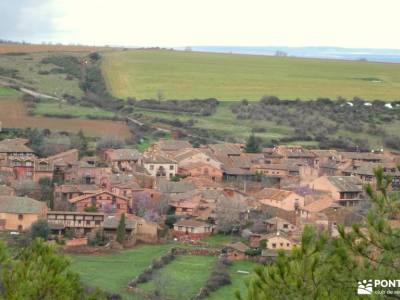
x: 370, y: 54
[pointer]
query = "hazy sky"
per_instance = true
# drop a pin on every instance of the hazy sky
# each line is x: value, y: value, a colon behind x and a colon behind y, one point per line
x: 347, y: 23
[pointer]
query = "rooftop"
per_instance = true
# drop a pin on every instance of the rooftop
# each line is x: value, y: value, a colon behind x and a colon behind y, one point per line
x: 20, y: 205
x: 346, y: 183
x: 14, y: 145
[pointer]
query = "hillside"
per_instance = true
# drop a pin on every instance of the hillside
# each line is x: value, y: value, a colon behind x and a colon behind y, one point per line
x: 6, y: 48
x: 184, y: 75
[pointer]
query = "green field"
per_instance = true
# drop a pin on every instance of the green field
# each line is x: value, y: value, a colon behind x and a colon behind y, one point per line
x: 180, y: 279
x: 238, y: 281
x: 4, y: 91
x: 183, y: 277
x: 187, y: 75
x: 113, y: 272
x: 57, y: 108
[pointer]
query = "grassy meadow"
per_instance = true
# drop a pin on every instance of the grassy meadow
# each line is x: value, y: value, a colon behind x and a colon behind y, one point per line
x: 78, y: 111
x: 188, y: 75
x: 5, y: 91
x: 183, y: 277
x: 28, y: 67
x: 113, y: 272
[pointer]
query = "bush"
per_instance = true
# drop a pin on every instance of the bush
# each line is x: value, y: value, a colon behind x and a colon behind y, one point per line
x: 392, y: 142
x: 170, y: 220
x: 110, y: 142
x: 68, y: 64
x: 98, y: 239
x: 253, y: 252
x: 40, y: 229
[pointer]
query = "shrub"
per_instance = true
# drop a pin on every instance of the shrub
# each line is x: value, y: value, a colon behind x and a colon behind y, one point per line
x: 253, y: 252
x: 40, y: 229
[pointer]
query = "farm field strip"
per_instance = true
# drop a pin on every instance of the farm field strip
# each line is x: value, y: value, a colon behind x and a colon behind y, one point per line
x: 13, y: 114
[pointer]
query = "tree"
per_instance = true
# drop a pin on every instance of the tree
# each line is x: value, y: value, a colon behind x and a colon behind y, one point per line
x: 253, y: 144
x: 110, y: 142
x: 24, y: 187
x: 39, y: 272
x: 121, y: 229
x: 228, y: 214
x: 80, y: 142
x: 47, y: 191
x: 40, y: 229
x: 323, y: 268
x: 170, y: 220
x: 94, y: 56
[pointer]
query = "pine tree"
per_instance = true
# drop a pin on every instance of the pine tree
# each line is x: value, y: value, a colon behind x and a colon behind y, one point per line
x: 252, y: 144
x: 39, y: 272
x: 82, y: 143
x: 121, y: 229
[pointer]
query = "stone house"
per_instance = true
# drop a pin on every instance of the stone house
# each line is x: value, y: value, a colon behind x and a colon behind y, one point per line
x: 18, y: 213
x: 286, y: 200
x: 278, y: 241
x: 81, y: 222
x: 346, y: 190
x: 192, y: 229
x: 160, y: 166
x: 278, y: 224
x: 236, y: 250
x: 200, y: 169
x: 122, y: 160
x: 104, y: 201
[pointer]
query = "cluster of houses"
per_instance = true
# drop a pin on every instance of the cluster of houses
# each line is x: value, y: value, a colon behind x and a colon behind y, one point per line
x: 281, y: 190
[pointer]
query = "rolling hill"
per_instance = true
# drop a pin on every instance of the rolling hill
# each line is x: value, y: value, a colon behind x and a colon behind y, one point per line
x: 185, y: 75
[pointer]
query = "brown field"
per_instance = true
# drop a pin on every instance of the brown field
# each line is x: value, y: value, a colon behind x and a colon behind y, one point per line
x: 20, y: 48
x: 13, y: 115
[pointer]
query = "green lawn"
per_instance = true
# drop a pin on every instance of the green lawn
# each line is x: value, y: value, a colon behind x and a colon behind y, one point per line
x: 5, y: 91
x: 114, y: 271
x: 57, y: 108
x: 218, y: 240
x: 187, y: 75
x: 183, y: 277
x: 238, y: 281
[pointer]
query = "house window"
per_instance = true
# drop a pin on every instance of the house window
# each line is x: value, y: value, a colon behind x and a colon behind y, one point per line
x: 29, y: 174
x: 20, y: 227
x: 114, y: 200
x: 118, y: 206
x: 287, y: 244
x: 20, y: 217
x: 28, y: 163
x: 171, y: 167
x: 281, y: 244
x: 87, y: 222
x: 285, y: 226
x: 97, y: 222
x: 93, y: 200
x: 273, y: 245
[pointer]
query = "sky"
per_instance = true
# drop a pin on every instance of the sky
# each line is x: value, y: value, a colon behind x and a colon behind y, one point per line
x: 177, y: 23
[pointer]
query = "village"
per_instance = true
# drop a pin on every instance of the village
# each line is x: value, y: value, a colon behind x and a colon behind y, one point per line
x: 176, y: 192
